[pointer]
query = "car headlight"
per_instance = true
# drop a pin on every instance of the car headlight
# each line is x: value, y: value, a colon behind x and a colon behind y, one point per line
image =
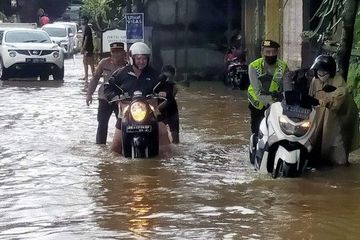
x: 56, y: 54
x: 138, y: 111
x: 290, y: 129
x: 12, y: 54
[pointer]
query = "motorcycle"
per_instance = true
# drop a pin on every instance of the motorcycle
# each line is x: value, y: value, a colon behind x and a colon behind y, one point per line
x: 286, y: 136
x: 237, y: 74
x: 139, y: 123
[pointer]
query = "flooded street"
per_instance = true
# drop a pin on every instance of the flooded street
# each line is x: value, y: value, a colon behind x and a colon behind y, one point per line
x: 55, y: 183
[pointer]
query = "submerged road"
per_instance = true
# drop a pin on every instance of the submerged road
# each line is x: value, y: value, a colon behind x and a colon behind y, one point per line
x: 55, y: 183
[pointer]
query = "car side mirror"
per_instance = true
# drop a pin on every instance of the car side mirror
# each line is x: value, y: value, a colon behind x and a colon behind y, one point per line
x: 71, y: 35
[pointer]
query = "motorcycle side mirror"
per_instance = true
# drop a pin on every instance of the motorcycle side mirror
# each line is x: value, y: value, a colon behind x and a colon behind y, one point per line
x: 122, y: 90
x: 162, y: 79
x: 329, y: 88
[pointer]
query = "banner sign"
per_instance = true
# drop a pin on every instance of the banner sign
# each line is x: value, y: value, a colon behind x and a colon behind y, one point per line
x: 134, y: 27
x: 111, y: 36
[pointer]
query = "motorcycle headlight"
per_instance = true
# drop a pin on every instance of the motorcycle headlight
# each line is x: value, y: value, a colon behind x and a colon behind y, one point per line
x: 290, y: 129
x: 138, y: 111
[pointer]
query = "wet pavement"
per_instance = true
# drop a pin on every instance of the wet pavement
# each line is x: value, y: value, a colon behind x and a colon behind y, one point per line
x: 55, y: 183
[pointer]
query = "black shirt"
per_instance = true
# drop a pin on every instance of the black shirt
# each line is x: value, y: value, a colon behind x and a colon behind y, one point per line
x: 89, y: 47
x: 127, y: 80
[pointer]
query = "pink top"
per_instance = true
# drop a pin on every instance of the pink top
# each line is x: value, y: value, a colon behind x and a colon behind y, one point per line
x: 44, y: 20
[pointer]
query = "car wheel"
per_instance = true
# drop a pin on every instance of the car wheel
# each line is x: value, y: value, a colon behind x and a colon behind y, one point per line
x: 59, y: 74
x: 3, y: 71
x: 44, y: 77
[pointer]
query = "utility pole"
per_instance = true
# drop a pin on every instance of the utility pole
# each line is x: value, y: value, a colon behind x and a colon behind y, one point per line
x: 186, y: 43
x: 229, y: 18
x: 344, y: 52
x: 176, y: 32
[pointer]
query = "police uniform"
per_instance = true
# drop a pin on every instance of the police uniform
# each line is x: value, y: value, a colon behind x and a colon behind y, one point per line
x: 105, y: 69
x: 259, y: 90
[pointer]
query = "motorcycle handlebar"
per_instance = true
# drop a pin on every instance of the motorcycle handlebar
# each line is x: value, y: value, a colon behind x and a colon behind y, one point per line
x: 155, y: 95
x: 124, y: 97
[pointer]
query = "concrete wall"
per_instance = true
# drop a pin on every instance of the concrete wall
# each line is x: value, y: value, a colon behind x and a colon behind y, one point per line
x: 197, y: 47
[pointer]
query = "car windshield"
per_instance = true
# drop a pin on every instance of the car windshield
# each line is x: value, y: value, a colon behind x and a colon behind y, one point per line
x: 26, y: 36
x: 55, y: 32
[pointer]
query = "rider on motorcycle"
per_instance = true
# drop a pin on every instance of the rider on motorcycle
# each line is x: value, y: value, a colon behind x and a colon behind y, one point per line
x: 338, y: 131
x: 139, y: 76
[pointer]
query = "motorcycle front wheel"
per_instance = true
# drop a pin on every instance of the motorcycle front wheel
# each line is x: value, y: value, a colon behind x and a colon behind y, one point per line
x: 284, y: 169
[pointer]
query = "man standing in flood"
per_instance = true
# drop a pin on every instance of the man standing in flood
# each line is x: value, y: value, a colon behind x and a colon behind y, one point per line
x: 87, y: 48
x: 266, y: 82
x: 105, y: 68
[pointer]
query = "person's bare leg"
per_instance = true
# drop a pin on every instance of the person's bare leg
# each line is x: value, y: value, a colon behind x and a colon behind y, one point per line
x: 92, y: 68
x: 116, y: 145
x: 86, y: 69
x: 164, y: 135
x: 91, y: 62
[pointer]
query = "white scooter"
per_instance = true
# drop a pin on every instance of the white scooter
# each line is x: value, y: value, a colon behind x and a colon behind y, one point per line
x: 285, y: 137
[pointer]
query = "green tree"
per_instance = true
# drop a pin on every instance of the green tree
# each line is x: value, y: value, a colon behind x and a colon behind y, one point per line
x: 2, y: 17
x: 329, y: 15
x: 97, y: 11
x: 102, y: 12
x: 347, y: 36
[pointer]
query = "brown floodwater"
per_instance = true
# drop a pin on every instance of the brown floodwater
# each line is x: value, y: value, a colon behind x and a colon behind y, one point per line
x: 55, y: 183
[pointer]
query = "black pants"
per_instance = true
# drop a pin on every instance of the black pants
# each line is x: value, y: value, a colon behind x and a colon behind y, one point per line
x: 170, y: 116
x: 256, y: 117
x: 104, y: 113
x: 173, y: 121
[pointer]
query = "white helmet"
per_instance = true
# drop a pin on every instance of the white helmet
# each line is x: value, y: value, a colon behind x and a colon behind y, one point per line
x: 139, y: 48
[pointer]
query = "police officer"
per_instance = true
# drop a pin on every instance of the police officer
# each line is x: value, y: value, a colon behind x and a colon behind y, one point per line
x: 105, y: 68
x: 265, y: 74
x: 139, y: 76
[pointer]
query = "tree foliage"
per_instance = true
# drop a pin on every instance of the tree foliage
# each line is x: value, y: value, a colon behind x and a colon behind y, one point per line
x: 329, y: 15
x: 2, y: 17
x: 103, y: 12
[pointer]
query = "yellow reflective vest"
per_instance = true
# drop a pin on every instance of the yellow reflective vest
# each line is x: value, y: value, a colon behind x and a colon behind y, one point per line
x: 258, y: 65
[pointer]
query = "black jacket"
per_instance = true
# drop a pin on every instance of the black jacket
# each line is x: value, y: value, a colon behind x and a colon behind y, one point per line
x: 127, y: 80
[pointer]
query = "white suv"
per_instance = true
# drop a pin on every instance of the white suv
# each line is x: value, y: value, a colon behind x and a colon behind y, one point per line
x: 29, y: 53
x: 74, y: 30
x: 61, y: 35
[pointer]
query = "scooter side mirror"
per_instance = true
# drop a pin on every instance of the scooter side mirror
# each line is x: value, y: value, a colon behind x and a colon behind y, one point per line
x: 329, y: 88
